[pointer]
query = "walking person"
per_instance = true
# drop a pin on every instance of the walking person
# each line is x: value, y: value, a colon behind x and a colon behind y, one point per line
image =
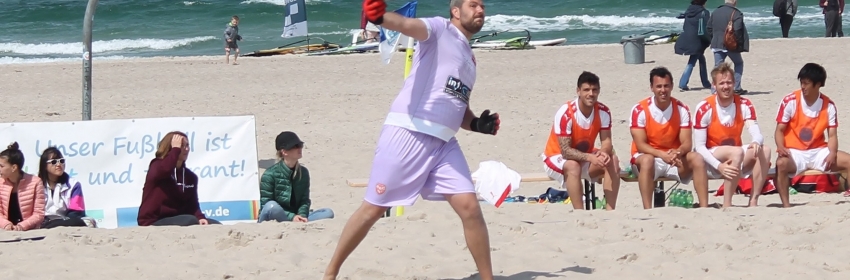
x: 693, y: 41
x: 723, y: 15
x: 832, y: 11
x: 785, y: 10
x: 231, y: 35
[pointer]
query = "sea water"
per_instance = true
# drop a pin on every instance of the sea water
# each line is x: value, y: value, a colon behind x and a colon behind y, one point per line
x: 50, y: 30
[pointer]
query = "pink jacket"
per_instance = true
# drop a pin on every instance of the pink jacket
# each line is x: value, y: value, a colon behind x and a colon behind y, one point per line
x: 30, y: 197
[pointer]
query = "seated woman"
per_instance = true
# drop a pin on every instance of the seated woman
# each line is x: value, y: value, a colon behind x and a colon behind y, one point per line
x: 21, y: 194
x: 170, y: 194
x: 285, y: 186
x: 64, y: 206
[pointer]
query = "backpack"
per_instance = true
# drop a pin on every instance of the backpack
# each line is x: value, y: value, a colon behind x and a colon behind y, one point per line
x: 745, y: 186
x: 820, y: 183
x: 729, y: 40
x: 780, y: 7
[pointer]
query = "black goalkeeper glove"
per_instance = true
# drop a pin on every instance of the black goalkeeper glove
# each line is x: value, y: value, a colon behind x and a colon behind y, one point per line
x: 487, y: 123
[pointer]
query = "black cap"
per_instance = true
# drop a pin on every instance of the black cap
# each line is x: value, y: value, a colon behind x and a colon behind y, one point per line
x: 287, y: 140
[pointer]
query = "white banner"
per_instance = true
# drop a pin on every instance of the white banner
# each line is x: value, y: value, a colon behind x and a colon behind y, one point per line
x: 110, y: 158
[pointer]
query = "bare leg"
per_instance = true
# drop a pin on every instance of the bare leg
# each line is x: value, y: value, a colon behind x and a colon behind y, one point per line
x: 736, y: 155
x: 784, y: 168
x: 468, y: 209
x: 646, y: 178
x: 610, y: 180
x: 572, y: 178
x: 694, y: 165
x: 353, y: 233
x: 227, y: 56
x: 235, y: 56
x: 760, y: 166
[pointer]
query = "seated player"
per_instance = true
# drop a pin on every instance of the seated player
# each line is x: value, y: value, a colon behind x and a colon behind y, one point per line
x: 570, y: 151
x: 718, y: 124
x: 661, y: 141
x: 803, y: 117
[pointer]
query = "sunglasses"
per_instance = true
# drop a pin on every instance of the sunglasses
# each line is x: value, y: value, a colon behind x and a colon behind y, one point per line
x: 56, y: 161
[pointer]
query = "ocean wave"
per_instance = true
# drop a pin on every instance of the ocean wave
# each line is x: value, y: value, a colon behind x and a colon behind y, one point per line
x: 99, y: 46
x: 20, y: 60
x: 615, y: 23
x: 190, y: 3
x: 281, y: 2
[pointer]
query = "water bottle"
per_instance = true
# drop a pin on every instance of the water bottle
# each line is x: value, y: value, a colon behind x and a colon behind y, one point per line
x: 673, y: 198
x: 600, y: 203
x: 628, y: 170
x: 792, y: 191
x: 689, y: 200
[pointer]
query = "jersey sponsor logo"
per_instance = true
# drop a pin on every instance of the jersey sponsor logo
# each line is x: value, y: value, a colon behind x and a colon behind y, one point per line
x: 457, y: 89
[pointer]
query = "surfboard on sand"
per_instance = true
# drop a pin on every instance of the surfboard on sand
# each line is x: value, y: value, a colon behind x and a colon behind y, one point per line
x: 292, y: 50
x: 358, y: 48
x: 4, y: 238
x: 518, y: 42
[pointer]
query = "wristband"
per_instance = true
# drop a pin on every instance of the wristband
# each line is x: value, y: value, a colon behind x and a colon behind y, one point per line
x: 473, y: 125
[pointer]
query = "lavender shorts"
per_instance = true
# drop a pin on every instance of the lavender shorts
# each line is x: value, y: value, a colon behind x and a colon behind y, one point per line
x: 408, y: 164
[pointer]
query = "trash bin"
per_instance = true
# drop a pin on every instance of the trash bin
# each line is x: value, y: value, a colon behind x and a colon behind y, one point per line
x: 634, y: 49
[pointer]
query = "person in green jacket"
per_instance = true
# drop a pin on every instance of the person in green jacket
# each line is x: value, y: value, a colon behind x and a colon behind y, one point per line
x: 285, y: 186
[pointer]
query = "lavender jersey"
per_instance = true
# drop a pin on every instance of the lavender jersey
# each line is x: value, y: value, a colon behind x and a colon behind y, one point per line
x: 435, y: 96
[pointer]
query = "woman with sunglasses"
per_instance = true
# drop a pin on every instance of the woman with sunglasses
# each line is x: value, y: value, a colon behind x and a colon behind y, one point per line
x: 64, y: 195
x: 285, y: 186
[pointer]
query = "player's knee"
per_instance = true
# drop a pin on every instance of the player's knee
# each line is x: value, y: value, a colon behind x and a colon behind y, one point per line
x: 572, y: 168
x: 737, y: 156
x: 765, y: 150
x: 645, y: 161
x: 784, y: 164
x: 695, y: 160
x: 613, y: 164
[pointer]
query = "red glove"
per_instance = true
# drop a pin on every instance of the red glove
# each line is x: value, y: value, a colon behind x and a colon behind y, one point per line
x: 374, y: 10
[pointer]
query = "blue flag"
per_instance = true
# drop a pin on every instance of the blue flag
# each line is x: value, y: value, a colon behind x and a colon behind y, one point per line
x: 390, y: 38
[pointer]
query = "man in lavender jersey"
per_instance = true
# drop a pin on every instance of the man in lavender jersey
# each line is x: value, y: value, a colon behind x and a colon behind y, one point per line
x: 417, y: 153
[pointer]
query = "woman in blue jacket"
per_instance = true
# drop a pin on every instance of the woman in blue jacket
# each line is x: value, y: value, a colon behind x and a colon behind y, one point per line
x: 693, y: 41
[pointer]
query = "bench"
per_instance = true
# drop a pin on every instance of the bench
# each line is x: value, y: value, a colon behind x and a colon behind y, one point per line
x: 527, y: 177
x: 659, y: 196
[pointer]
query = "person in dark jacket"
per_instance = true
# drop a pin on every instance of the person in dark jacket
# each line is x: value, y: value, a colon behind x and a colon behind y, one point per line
x: 285, y: 186
x: 693, y: 41
x: 717, y: 28
x: 786, y: 18
x: 832, y: 11
x: 170, y: 194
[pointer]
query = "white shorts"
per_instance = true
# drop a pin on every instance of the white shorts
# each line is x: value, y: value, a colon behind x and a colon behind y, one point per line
x: 713, y: 173
x: 553, y: 166
x: 809, y: 159
x: 662, y: 169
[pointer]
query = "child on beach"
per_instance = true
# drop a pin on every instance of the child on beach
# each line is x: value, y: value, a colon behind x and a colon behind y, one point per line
x: 231, y: 35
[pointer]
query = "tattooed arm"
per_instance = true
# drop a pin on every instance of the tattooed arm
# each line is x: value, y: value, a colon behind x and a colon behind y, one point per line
x: 568, y: 152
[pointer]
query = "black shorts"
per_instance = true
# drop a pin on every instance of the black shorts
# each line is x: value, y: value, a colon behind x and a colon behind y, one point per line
x: 231, y: 45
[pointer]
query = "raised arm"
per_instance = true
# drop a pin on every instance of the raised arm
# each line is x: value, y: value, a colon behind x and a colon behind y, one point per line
x: 375, y: 11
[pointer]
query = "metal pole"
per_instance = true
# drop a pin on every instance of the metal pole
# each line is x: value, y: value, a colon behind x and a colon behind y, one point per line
x: 87, y: 55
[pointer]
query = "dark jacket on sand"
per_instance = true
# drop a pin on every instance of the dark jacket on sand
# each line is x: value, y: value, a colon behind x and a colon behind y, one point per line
x: 169, y: 191
x: 695, y: 37
x: 717, y: 28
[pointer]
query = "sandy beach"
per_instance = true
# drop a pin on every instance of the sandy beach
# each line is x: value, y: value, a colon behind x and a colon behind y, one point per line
x: 525, y: 87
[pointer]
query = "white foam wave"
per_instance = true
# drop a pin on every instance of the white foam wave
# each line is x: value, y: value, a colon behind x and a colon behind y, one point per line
x: 613, y: 23
x: 19, y: 60
x: 99, y: 46
x: 281, y: 2
x: 190, y: 3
